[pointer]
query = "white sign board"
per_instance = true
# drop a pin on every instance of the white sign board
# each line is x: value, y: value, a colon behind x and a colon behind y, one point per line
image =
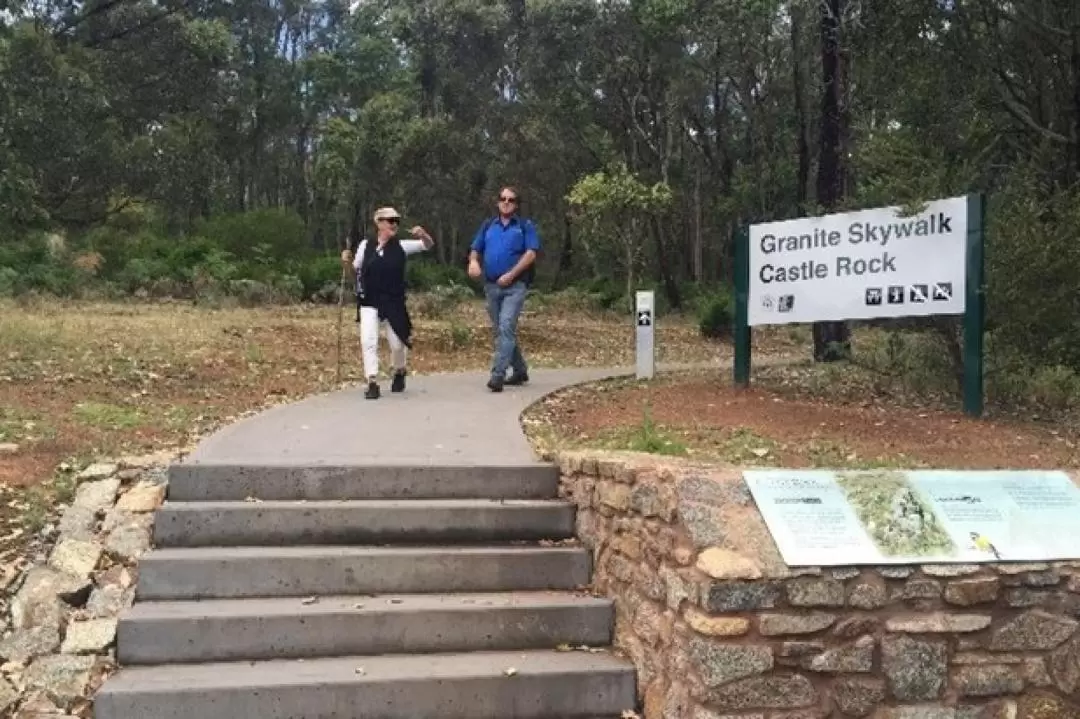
x: 859, y: 265
x: 645, y: 345
x: 823, y: 518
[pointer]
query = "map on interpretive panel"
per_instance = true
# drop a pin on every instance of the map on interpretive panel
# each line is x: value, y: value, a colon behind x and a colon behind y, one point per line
x: 828, y: 518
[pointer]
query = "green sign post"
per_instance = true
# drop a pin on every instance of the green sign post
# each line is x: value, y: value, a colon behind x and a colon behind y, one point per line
x: 742, y: 304
x: 870, y: 264
x: 974, y: 307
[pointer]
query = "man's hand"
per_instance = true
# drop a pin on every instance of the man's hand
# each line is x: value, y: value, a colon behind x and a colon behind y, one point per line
x: 346, y: 257
x: 474, y: 269
x: 506, y: 280
x: 419, y: 233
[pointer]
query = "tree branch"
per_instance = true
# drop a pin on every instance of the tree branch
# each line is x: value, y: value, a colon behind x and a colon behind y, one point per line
x: 1012, y: 103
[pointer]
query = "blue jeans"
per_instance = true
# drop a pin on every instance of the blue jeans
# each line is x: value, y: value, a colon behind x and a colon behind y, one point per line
x: 504, y: 304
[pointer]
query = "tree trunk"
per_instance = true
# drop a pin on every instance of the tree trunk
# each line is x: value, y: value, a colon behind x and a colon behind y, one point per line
x: 663, y: 265
x: 803, y: 143
x: 1076, y: 97
x: 699, y: 250
x: 832, y: 340
x: 566, y: 253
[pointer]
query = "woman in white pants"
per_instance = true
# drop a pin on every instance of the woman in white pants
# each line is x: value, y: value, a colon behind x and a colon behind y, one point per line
x: 380, y: 295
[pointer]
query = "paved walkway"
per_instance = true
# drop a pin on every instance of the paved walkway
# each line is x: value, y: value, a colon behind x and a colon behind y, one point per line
x: 442, y: 419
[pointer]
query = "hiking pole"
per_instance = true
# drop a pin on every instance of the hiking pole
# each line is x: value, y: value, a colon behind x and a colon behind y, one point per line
x: 353, y: 243
x: 340, y: 319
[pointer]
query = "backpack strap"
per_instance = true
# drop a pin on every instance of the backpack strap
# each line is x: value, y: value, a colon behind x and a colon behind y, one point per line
x: 529, y: 275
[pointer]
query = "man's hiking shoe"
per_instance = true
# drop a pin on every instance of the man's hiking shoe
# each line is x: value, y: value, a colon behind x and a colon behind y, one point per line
x: 517, y: 379
x: 495, y: 384
x: 398, y: 385
x: 372, y: 391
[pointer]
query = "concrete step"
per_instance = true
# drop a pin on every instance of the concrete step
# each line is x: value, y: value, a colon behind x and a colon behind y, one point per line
x: 224, y: 482
x: 232, y: 572
x: 373, y: 521
x: 235, y: 629
x: 480, y: 685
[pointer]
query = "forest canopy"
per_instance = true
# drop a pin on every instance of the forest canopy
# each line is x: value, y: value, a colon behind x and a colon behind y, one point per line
x: 169, y: 146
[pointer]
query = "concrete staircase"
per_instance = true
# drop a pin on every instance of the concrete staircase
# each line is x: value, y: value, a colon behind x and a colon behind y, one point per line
x: 376, y: 592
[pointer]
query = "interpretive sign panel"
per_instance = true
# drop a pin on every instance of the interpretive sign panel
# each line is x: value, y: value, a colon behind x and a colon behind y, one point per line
x: 823, y: 518
x: 860, y: 265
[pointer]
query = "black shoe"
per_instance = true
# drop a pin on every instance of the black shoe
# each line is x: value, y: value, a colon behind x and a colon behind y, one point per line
x: 372, y: 391
x: 495, y: 384
x: 517, y: 379
x: 398, y: 385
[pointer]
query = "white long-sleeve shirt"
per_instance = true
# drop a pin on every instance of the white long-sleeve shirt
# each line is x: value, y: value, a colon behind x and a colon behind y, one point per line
x: 411, y: 247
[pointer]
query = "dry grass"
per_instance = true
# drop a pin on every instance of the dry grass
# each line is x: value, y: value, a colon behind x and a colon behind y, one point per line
x: 80, y: 380
x: 792, y: 417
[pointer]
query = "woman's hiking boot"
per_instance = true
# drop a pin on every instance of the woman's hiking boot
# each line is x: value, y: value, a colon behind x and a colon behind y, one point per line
x: 398, y: 384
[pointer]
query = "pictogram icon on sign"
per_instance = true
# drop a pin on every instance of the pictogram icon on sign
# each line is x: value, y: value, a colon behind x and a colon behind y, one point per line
x: 942, y: 291
x: 919, y: 293
x: 644, y: 318
x: 896, y: 295
x: 873, y: 295
x: 787, y: 303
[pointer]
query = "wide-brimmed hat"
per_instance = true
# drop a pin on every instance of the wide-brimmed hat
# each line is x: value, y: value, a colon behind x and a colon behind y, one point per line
x: 386, y: 213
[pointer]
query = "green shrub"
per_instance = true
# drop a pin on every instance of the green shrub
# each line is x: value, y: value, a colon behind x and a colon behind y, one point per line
x: 426, y: 274
x: 259, y: 236
x: 316, y: 274
x: 9, y: 278
x: 652, y: 439
x: 140, y: 273
x: 607, y: 293
x: 1032, y: 261
x: 1051, y: 389
x: 442, y: 300
x: 460, y: 335
x: 250, y: 293
x: 570, y: 299
x: 287, y: 288
x: 716, y: 318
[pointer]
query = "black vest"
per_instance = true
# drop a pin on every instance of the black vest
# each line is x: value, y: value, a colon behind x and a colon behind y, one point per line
x: 382, y: 276
x: 381, y: 284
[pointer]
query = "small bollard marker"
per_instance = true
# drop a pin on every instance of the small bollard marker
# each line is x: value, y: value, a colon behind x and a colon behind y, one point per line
x: 645, y: 352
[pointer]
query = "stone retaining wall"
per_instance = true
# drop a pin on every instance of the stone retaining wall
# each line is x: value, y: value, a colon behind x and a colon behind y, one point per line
x: 59, y: 612
x: 719, y: 627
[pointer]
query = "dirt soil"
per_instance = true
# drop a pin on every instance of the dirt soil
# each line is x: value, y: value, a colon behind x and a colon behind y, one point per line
x: 80, y: 380
x: 708, y: 417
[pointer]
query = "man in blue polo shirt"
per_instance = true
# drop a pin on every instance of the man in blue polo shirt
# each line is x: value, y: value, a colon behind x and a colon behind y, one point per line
x: 503, y: 253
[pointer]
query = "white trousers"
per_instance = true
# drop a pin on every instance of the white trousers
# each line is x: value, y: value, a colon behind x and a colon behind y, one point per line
x: 369, y: 343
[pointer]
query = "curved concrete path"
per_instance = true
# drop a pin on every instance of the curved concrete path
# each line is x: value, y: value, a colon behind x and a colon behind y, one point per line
x: 441, y: 419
